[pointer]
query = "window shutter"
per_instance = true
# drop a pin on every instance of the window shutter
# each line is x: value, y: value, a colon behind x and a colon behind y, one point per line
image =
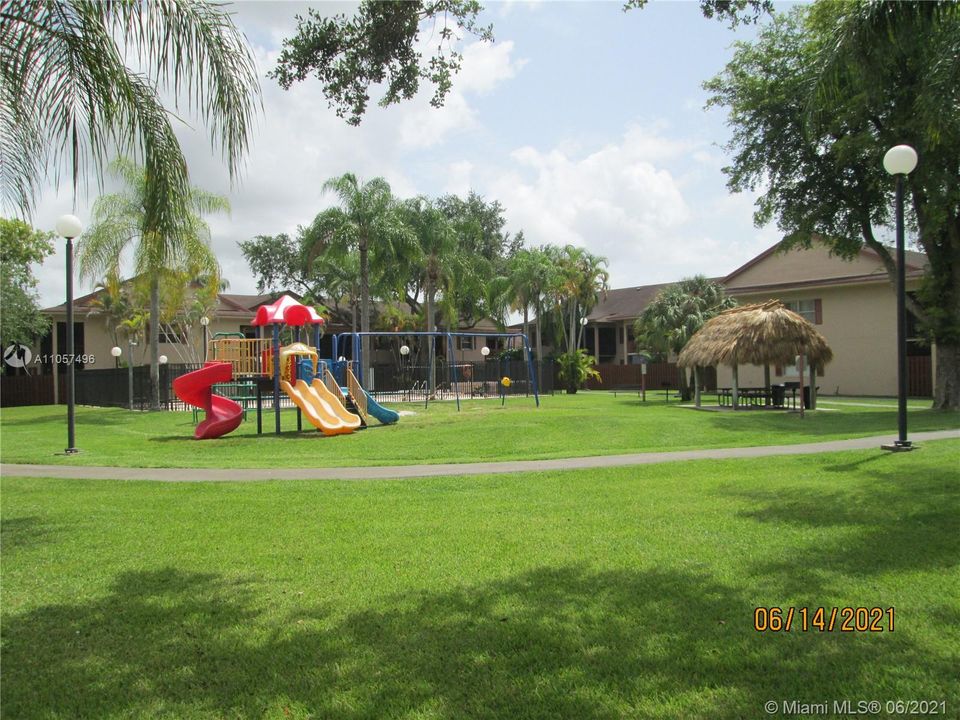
x: 817, y: 312
x: 778, y: 370
x: 819, y: 370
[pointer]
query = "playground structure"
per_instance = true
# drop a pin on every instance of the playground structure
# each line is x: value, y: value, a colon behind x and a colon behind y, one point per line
x: 334, y: 404
x: 460, y: 381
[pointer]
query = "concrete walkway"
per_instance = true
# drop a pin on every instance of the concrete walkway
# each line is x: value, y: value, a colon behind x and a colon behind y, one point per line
x: 486, y: 468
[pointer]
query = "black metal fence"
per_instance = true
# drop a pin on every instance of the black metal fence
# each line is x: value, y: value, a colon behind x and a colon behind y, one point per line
x: 130, y: 387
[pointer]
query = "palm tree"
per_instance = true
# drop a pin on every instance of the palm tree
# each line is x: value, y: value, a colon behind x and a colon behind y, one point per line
x: 68, y: 100
x: 578, y: 281
x: 367, y: 219
x: 126, y: 218
x: 530, y: 273
x: 435, y: 259
x: 578, y: 284
x: 675, y: 315
x: 537, y: 273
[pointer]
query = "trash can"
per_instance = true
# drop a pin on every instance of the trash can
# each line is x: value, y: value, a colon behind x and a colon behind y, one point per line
x: 777, y: 395
x: 806, y: 397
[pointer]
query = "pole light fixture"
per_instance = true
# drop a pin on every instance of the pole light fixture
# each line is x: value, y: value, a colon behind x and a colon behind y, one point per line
x: 69, y: 227
x: 900, y: 161
x: 204, y: 321
x: 131, y: 344
x: 484, y: 351
x: 404, y: 350
x: 115, y: 351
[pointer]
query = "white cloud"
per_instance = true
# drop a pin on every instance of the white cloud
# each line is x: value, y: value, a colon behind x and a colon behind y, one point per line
x: 633, y: 201
x: 611, y: 201
x: 487, y: 65
x: 458, y: 177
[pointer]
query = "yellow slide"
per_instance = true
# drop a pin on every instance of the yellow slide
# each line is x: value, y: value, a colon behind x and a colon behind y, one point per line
x: 317, y: 410
x: 349, y: 419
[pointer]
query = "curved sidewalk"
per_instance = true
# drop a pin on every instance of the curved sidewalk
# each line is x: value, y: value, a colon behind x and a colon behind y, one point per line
x: 388, y: 472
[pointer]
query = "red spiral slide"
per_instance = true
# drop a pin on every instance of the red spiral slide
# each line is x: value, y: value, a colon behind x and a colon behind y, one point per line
x: 223, y: 415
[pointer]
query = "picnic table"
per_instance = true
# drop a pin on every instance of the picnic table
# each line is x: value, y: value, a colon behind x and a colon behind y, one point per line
x: 774, y: 396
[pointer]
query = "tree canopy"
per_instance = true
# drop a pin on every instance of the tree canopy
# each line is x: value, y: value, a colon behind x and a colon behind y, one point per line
x: 816, y: 101
x: 379, y: 45
x: 20, y: 247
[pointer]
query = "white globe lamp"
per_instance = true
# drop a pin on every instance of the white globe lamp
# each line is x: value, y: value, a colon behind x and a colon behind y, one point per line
x: 69, y: 226
x: 900, y: 160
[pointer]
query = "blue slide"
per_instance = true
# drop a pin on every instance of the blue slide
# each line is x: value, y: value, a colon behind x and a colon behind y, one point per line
x: 384, y: 415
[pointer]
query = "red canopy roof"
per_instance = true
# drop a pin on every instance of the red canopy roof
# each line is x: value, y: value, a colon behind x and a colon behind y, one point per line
x: 288, y: 311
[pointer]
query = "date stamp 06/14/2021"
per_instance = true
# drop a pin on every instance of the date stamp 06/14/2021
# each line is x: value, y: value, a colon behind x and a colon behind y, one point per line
x: 824, y: 619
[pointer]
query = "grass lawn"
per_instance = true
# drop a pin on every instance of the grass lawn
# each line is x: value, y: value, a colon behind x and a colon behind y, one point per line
x: 564, y: 426
x: 617, y: 593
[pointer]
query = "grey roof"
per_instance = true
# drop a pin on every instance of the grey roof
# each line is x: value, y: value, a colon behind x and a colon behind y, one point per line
x: 230, y: 305
x: 626, y: 303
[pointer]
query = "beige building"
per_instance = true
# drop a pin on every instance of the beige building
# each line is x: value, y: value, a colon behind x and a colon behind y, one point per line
x: 851, y: 302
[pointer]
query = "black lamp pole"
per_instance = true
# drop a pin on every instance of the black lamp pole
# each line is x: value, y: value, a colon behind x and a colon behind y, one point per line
x: 71, y: 370
x: 902, y: 441
x: 69, y: 227
x: 900, y: 162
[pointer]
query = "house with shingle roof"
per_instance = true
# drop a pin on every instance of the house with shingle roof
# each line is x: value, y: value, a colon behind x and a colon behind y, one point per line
x: 851, y: 302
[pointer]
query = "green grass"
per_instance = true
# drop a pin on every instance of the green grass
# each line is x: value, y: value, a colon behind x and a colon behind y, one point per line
x: 615, y: 593
x: 564, y: 426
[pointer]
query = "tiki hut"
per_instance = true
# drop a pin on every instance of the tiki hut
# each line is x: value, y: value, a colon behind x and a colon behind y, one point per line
x: 763, y: 334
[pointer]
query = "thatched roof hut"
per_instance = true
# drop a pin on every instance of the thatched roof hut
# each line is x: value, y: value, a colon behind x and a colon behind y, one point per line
x: 767, y: 333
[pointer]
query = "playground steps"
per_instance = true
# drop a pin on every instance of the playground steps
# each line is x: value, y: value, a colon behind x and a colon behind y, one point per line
x: 352, y: 407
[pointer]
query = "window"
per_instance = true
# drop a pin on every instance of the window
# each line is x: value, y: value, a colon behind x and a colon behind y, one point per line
x: 809, y: 310
x: 465, y: 343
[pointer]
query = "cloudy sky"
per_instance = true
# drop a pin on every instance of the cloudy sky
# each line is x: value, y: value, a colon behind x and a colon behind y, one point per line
x: 585, y: 122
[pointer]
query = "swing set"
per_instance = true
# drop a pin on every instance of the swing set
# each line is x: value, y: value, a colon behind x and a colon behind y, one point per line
x: 468, y: 379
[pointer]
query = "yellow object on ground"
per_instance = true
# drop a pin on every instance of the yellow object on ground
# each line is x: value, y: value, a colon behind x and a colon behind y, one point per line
x: 318, y: 411
x: 348, y: 418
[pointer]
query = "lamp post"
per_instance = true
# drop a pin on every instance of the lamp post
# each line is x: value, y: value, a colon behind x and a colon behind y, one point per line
x: 117, y: 352
x: 900, y: 161
x: 204, y: 321
x: 69, y: 227
x: 404, y: 367
x: 163, y: 361
x: 131, y: 344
